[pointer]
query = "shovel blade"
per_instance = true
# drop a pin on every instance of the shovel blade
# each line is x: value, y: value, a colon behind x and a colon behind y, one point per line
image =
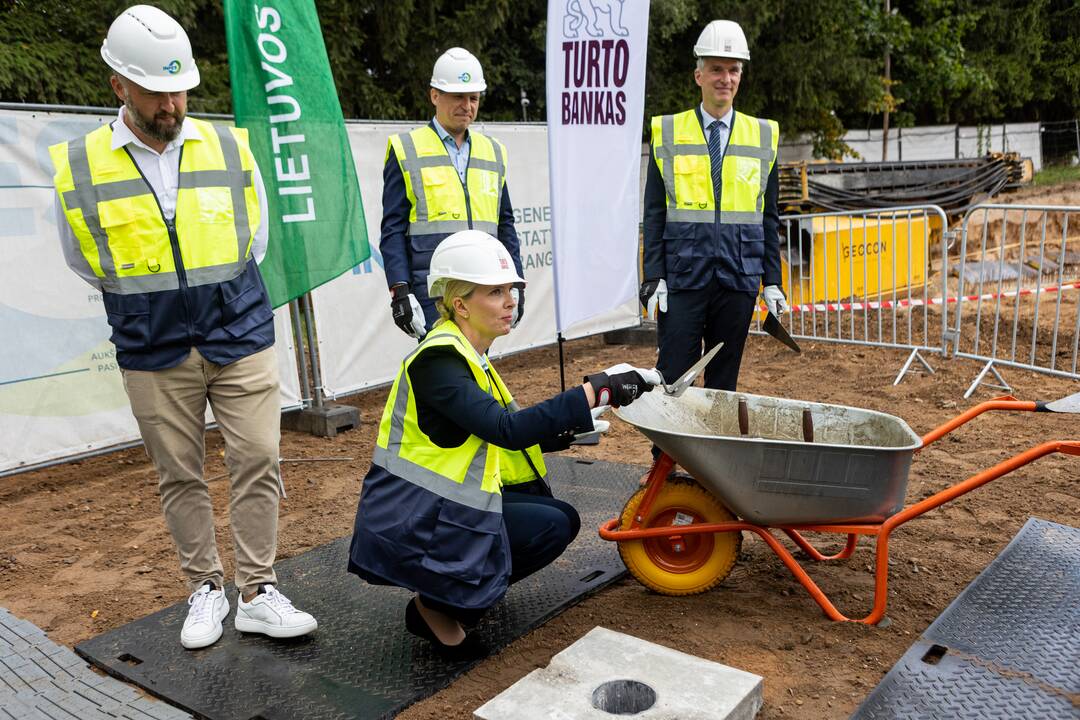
x: 1070, y: 404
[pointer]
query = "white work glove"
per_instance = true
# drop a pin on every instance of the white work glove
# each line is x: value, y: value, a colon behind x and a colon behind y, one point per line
x: 408, y: 315
x: 519, y: 305
x: 622, y: 384
x: 653, y: 297
x: 775, y: 300
x: 599, y: 426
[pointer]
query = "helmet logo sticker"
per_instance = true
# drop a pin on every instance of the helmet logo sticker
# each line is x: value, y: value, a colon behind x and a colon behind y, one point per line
x: 464, y: 77
x: 503, y: 265
x: 172, y: 68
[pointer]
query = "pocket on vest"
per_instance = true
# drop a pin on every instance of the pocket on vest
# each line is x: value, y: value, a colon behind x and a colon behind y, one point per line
x: 679, y: 242
x: 422, y: 246
x: 752, y: 249
x: 129, y: 316
x: 461, y: 542
x: 443, y: 190
x: 244, y: 306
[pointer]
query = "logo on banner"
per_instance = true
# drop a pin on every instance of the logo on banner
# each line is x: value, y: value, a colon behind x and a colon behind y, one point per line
x: 594, y: 69
x: 587, y: 13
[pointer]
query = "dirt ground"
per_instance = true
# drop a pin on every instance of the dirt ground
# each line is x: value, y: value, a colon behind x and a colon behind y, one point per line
x: 83, y: 547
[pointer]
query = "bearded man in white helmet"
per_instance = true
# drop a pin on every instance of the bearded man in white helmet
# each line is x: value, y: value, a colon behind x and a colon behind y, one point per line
x: 440, y: 179
x: 164, y: 215
x: 711, y: 219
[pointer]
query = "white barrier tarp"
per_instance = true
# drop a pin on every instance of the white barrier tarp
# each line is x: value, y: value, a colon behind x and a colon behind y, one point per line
x: 595, y: 100
x: 359, y: 344
x: 60, y: 391
x: 931, y: 142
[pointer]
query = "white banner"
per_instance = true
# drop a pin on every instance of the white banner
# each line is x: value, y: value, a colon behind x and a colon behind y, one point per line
x: 595, y: 103
x: 60, y: 391
x: 360, y: 346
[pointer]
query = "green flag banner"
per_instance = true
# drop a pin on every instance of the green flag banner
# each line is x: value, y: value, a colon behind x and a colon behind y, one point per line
x: 283, y: 93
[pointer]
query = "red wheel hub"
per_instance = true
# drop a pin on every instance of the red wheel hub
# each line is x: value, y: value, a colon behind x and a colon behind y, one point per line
x: 682, y: 552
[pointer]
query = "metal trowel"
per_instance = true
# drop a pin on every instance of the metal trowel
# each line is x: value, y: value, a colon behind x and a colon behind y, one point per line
x: 1070, y: 404
x: 773, y: 327
x: 679, y: 386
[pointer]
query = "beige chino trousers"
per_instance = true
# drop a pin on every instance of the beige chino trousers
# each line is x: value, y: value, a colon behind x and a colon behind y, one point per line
x: 170, y: 407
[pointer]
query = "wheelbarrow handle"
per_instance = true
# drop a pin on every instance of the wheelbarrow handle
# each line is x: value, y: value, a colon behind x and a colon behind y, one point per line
x: 1007, y: 402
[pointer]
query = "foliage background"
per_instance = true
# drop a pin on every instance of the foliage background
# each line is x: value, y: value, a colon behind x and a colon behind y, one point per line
x: 817, y: 66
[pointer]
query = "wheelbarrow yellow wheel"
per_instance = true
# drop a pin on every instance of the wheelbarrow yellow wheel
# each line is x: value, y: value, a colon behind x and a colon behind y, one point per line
x: 691, y: 563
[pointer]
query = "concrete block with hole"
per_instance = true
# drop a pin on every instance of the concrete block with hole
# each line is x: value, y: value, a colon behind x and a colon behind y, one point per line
x: 607, y: 674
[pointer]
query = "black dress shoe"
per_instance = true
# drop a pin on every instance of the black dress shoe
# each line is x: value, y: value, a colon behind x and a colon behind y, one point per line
x: 471, y: 648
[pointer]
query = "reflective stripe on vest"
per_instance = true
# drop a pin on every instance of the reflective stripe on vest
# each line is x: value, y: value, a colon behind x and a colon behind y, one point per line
x: 117, y: 219
x: 682, y: 156
x: 468, y: 474
x: 438, y: 198
x: 516, y: 466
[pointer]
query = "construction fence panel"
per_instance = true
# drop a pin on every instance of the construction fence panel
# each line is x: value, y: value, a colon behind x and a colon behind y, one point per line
x: 61, y: 392
x: 1016, y: 279
x: 872, y: 277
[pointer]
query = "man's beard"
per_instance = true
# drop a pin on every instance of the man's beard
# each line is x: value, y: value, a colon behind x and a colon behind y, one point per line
x: 154, y: 127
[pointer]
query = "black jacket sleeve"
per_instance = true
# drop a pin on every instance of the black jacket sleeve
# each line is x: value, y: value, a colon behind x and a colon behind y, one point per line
x: 451, y: 406
x: 771, y: 226
x: 394, y: 236
x: 507, y: 232
x: 655, y: 216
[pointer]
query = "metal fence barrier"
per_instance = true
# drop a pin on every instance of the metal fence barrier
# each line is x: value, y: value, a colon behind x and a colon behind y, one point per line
x: 871, y: 277
x: 1014, y: 282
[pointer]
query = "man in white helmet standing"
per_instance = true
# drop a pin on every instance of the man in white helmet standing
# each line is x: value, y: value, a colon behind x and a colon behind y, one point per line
x: 711, y: 220
x: 164, y: 215
x: 440, y: 179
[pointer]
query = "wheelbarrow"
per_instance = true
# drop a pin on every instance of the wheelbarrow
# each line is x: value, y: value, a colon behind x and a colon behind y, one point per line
x: 764, y: 464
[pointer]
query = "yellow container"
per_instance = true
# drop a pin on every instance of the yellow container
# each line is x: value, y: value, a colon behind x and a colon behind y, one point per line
x: 851, y: 257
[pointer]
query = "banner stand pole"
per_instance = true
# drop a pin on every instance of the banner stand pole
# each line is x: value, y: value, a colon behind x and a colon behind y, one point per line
x: 301, y: 348
x: 562, y: 365
x: 316, y: 376
x: 321, y: 419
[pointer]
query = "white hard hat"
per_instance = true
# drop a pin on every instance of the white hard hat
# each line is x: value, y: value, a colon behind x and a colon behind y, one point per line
x: 457, y: 71
x: 722, y: 38
x: 473, y: 256
x: 149, y: 48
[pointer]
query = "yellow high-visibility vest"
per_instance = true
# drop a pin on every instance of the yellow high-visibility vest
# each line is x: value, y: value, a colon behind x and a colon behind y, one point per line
x: 472, y: 473
x: 441, y: 204
x: 682, y: 156
x: 118, y: 222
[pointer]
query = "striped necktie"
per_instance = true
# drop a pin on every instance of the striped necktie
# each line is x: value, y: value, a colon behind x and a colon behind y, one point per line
x: 716, y: 156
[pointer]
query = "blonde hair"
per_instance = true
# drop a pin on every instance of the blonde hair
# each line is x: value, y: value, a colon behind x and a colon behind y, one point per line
x: 451, y: 290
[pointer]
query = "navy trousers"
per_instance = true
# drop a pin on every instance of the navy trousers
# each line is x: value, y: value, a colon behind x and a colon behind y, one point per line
x: 712, y: 314
x: 540, y: 528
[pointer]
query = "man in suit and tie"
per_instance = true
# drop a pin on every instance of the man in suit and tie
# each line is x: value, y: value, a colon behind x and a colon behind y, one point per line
x: 711, y: 219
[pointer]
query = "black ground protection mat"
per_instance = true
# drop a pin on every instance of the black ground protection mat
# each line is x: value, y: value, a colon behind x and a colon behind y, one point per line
x: 1007, y: 647
x: 360, y: 663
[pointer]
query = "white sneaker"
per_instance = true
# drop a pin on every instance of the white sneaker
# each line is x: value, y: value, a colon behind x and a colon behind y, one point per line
x: 209, y: 607
x: 271, y: 613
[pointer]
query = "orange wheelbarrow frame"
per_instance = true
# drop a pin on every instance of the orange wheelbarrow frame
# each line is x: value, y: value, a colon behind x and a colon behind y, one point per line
x: 664, y: 464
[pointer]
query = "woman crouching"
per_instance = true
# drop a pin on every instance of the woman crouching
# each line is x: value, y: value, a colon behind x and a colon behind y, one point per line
x: 455, y: 506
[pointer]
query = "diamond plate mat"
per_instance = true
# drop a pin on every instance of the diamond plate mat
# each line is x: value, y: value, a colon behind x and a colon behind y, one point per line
x: 1007, y: 647
x: 360, y: 663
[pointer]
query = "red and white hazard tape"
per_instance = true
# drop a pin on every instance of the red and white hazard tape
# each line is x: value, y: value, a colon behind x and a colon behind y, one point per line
x: 917, y: 302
